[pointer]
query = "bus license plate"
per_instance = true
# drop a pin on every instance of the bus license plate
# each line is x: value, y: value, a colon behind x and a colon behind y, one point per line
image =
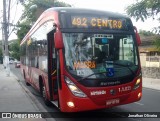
x: 112, y: 102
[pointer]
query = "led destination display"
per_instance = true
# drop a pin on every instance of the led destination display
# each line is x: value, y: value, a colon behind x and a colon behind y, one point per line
x: 97, y: 22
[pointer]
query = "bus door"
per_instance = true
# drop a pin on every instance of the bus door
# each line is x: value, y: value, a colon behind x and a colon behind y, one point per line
x: 52, y: 67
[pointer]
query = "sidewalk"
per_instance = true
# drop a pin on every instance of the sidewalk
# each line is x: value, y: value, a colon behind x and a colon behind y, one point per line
x: 151, y: 83
x: 13, y: 97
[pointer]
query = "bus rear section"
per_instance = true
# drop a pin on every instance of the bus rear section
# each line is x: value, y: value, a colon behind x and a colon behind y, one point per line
x: 91, y: 62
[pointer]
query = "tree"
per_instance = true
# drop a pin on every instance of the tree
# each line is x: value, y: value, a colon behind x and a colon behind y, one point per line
x: 1, y: 52
x: 1, y: 48
x: 29, y: 16
x: 23, y: 28
x: 146, y: 33
x: 145, y: 9
x: 157, y: 43
x: 14, y: 49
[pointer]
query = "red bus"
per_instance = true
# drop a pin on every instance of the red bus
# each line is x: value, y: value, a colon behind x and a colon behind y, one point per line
x: 81, y: 59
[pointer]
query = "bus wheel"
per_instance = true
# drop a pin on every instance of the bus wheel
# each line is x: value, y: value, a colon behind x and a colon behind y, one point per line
x: 46, y: 101
x: 28, y: 84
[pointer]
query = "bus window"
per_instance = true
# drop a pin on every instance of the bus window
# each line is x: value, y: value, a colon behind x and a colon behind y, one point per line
x: 126, y: 50
x: 90, y: 54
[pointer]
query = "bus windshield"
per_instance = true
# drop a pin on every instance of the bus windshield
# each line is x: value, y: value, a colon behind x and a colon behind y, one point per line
x: 100, y: 55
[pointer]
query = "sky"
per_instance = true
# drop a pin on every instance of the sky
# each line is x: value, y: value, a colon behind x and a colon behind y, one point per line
x: 106, y: 5
x: 15, y: 13
x: 115, y: 6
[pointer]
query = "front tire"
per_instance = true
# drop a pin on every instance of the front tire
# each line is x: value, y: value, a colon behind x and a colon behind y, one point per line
x: 28, y: 84
x: 43, y: 92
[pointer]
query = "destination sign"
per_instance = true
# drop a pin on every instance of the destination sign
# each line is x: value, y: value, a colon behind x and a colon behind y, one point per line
x: 84, y: 64
x: 97, y: 22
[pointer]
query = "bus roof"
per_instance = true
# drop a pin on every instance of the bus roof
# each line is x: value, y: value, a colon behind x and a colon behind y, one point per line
x: 86, y: 11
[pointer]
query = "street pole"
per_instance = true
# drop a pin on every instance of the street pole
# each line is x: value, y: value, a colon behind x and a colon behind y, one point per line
x: 3, y: 44
x: 5, y: 39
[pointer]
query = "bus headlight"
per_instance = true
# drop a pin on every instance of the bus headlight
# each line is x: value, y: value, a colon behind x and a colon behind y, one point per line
x: 137, y: 84
x: 74, y: 89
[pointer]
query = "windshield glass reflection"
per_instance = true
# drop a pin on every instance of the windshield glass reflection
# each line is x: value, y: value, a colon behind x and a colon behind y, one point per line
x: 88, y: 54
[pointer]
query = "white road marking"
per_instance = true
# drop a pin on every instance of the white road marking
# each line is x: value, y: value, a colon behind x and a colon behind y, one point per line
x: 139, y: 103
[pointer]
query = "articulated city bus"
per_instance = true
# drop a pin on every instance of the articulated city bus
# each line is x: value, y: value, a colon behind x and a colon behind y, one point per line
x: 81, y: 59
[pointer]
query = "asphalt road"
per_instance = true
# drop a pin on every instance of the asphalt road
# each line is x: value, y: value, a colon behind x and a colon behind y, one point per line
x: 149, y: 104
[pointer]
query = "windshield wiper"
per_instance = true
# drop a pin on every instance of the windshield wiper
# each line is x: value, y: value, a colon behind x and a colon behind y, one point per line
x: 91, y: 75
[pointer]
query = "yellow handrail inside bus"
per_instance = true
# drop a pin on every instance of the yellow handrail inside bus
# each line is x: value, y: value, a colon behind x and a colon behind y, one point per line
x: 54, y: 72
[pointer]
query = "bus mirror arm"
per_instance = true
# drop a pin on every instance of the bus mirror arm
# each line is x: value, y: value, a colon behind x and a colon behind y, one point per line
x: 54, y: 27
x: 58, y: 40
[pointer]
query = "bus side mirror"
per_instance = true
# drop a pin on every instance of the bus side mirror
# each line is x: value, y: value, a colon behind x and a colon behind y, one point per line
x: 58, y: 40
x: 137, y: 36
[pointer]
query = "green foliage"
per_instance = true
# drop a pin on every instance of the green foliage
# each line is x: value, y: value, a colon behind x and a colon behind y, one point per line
x: 138, y: 10
x: 14, y: 49
x: 157, y: 42
x: 1, y: 52
x: 145, y: 9
x: 49, y: 3
x: 29, y: 15
x: 146, y: 33
x: 24, y: 27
